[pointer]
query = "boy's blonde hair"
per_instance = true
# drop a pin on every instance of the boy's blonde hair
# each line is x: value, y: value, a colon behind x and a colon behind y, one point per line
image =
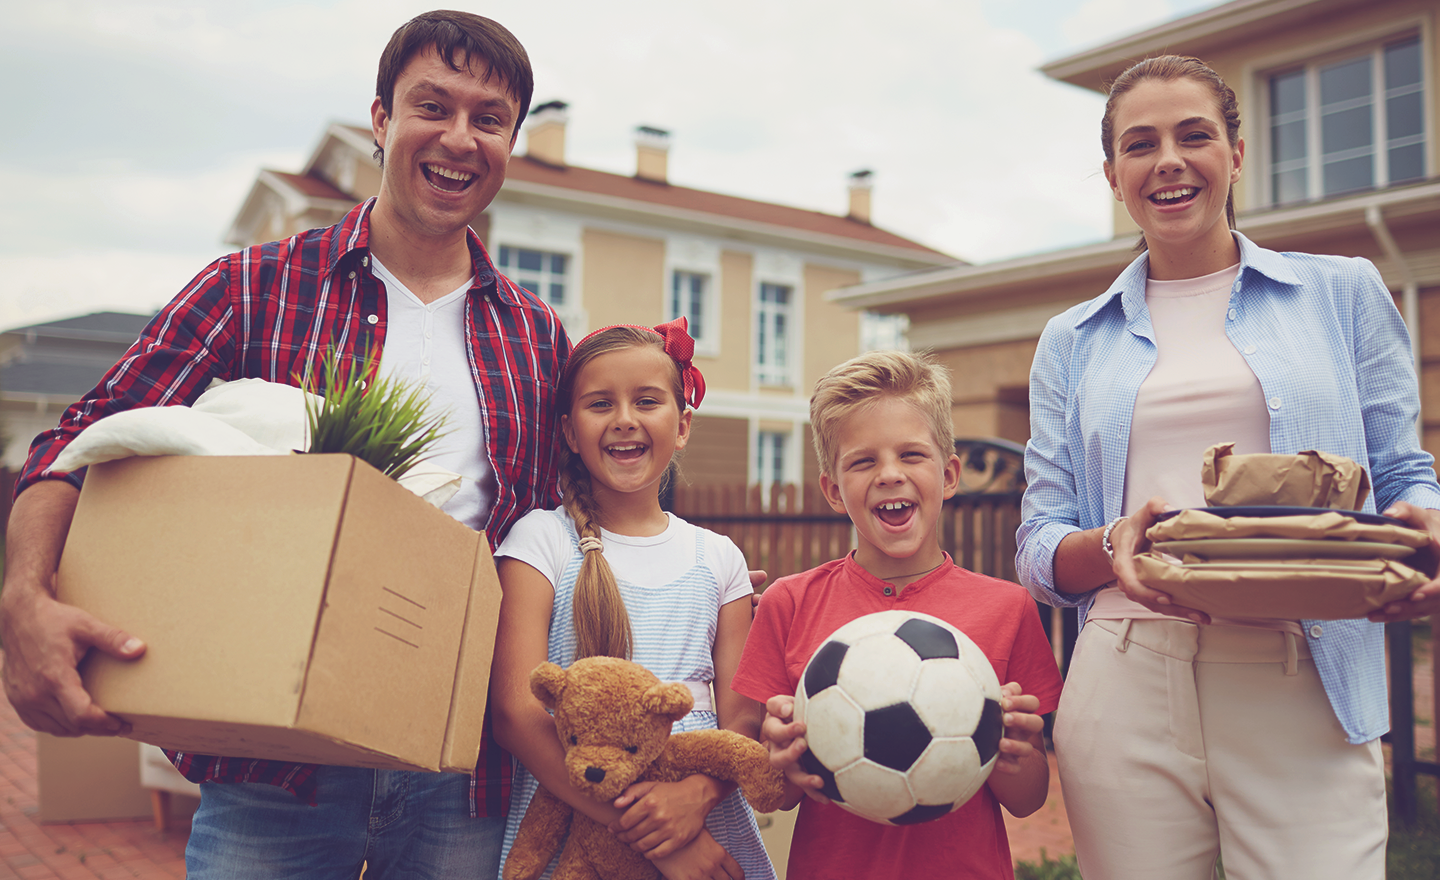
x: 916, y: 379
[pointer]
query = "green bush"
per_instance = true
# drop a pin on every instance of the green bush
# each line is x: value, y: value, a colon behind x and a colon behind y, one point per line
x: 1063, y: 868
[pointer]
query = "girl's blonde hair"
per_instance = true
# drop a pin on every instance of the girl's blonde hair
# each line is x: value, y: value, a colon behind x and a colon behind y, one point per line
x: 602, y: 626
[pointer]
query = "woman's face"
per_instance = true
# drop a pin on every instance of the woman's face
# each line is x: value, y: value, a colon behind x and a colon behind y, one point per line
x: 1173, y: 165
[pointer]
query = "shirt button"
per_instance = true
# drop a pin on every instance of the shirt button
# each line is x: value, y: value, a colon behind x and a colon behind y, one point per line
x: 352, y: 276
x: 1316, y: 631
x: 373, y: 319
x: 362, y: 384
x: 1249, y: 349
x: 1275, y: 403
x: 889, y: 591
x: 1232, y: 314
x: 364, y: 261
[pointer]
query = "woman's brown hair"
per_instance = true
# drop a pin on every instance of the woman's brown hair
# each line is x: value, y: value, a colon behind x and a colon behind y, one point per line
x: 602, y: 626
x: 1166, y: 68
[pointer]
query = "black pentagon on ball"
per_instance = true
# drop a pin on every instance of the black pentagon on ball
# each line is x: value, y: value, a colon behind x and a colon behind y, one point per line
x: 931, y: 641
x: 812, y: 765
x: 895, y: 736
x: 824, y: 668
x: 987, y: 733
x: 921, y: 813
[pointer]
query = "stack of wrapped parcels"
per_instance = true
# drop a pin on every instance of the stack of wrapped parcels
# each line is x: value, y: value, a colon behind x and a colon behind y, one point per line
x: 1283, y: 539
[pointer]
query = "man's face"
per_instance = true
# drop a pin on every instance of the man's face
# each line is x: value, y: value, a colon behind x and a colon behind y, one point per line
x: 446, y: 141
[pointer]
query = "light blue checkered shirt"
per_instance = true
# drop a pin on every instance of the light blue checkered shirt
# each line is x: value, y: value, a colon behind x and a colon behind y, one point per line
x: 1333, y: 358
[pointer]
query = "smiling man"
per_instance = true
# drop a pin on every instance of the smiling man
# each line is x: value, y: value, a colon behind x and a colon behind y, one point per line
x: 401, y: 275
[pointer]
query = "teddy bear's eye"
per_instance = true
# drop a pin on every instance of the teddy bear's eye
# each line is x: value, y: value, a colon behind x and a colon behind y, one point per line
x: 573, y: 740
x: 632, y: 749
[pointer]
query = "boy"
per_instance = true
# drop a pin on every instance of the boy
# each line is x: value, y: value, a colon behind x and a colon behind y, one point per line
x: 883, y: 433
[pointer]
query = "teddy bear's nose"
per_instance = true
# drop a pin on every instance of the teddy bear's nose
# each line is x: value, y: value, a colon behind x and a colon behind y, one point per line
x: 594, y: 774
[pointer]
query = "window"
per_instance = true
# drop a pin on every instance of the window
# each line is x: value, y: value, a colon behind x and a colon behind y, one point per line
x: 772, y: 338
x: 770, y: 458
x: 541, y: 272
x: 884, y: 332
x: 1347, y: 125
x: 687, y: 300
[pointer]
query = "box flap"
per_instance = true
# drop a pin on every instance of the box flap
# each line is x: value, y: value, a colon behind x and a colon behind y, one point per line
x: 392, y: 619
x: 164, y: 547
x: 472, y: 674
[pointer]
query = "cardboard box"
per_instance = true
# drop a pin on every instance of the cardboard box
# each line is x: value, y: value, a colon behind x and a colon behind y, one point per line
x: 304, y: 608
x: 88, y: 779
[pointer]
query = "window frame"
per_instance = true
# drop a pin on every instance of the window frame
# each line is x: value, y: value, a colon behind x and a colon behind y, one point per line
x: 1367, y: 43
x: 522, y: 227
x: 769, y: 375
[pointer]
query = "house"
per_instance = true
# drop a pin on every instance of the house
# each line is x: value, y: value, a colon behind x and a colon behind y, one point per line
x: 603, y: 248
x: 1339, y: 103
x: 46, y: 367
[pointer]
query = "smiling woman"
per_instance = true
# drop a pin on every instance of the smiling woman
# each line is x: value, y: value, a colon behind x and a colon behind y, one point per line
x: 1207, y: 338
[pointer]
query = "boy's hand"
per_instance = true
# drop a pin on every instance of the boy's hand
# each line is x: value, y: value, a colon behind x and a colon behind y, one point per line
x: 662, y: 817
x: 784, y: 738
x: 1022, y: 727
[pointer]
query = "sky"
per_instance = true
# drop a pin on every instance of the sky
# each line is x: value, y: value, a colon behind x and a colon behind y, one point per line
x: 135, y: 129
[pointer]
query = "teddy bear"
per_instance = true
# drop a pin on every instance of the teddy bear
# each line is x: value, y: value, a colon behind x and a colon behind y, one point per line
x: 614, y: 717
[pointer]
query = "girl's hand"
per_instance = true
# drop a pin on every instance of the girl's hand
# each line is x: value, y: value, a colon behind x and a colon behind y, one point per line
x: 1022, y: 727
x: 704, y: 859
x: 1426, y: 597
x: 1127, y: 539
x: 662, y: 817
x: 784, y: 738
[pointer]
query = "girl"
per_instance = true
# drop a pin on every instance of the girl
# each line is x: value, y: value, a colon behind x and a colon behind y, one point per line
x: 1180, y: 737
x: 611, y: 573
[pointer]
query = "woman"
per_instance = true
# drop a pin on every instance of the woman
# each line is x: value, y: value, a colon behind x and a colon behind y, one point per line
x: 1178, y: 736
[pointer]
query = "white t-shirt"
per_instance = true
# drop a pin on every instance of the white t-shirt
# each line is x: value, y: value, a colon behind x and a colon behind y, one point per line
x: 425, y: 346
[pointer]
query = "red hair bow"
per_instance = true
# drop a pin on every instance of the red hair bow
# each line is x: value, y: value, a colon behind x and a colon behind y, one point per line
x: 681, y: 348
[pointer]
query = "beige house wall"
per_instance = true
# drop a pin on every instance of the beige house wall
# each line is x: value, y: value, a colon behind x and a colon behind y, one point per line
x: 717, y: 452
x: 832, y: 332
x: 623, y: 275
x: 989, y: 388
x: 737, y: 285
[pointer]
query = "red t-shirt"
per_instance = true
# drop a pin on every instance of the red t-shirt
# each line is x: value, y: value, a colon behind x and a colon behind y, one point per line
x: 797, y: 613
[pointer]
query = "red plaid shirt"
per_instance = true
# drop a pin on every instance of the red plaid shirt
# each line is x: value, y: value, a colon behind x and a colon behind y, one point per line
x: 269, y: 312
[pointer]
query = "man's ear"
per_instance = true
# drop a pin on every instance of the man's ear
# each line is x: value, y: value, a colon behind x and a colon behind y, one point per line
x: 831, y: 490
x: 379, y: 122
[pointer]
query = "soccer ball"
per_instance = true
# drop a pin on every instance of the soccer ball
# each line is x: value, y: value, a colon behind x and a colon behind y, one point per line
x: 902, y: 717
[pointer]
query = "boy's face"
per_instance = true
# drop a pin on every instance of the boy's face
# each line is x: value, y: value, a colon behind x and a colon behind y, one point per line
x: 891, y: 480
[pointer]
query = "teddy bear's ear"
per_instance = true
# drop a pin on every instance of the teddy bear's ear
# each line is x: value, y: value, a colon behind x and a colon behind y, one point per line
x: 546, y: 682
x: 673, y: 700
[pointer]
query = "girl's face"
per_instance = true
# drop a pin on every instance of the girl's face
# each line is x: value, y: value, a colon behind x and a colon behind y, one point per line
x: 624, y: 421
x: 1173, y: 166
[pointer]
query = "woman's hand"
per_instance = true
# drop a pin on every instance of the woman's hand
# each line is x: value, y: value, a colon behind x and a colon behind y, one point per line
x: 1426, y: 597
x: 664, y: 816
x: 1127, y: 539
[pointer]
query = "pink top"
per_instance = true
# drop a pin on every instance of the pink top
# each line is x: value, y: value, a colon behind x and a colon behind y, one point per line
x: 1200, y: 392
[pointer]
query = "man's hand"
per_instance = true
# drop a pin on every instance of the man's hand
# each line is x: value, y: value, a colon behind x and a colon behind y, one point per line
x: 1425, y: 599
x: 44, y: 639
x: 44, y: 642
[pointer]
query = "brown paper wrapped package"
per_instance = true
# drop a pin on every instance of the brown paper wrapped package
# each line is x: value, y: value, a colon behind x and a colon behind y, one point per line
x: 1306, y: 479
x: 1309, y: 590
x: 1190, y: 525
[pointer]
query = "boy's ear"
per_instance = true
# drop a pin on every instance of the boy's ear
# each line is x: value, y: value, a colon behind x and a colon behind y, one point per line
x: 831, y: 490
x: 951, y: 478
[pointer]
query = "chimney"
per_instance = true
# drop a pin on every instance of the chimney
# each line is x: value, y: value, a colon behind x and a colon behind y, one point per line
x: 545, y: 141
x: 860, y: 183
x: 652, y: 153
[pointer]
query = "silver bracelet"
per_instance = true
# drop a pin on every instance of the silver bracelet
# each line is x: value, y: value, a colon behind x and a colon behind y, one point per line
x: 1105, y: 537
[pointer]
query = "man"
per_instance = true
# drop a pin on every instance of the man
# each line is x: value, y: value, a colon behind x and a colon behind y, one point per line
x: 401, y: 274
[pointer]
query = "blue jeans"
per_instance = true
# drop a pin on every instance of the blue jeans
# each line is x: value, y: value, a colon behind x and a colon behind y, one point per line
x: 405, y: 825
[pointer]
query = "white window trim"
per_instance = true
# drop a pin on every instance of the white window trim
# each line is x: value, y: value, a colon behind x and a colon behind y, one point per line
x: 701, y: 258
x: 521, y: 227
x: 794, y: 454
x: 1256, y: 182
x: 775, y: 267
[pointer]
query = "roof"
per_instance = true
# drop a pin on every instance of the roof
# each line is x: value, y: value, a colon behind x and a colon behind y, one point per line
x: 311, y: 186
x: 530, y: 174
x: 49, y: 378
x: 1198, y: 34
x: 122, y: 327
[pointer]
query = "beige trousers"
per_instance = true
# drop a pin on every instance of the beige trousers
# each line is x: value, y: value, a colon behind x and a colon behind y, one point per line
x: 1177, y: 743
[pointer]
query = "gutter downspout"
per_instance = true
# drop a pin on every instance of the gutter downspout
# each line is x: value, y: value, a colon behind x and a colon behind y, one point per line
x: 1409, y: 294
